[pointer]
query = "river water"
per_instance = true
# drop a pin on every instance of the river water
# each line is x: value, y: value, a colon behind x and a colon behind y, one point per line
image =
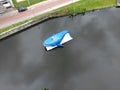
x: 91, y: 61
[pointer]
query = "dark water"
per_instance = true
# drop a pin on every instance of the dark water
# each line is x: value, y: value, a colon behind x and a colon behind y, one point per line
x: 91, y: 61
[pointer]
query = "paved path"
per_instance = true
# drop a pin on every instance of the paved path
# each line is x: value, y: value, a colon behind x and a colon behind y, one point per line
x: 32, y: 11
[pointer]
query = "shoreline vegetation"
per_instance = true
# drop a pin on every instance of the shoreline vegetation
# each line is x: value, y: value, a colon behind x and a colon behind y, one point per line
x: 73, y: 9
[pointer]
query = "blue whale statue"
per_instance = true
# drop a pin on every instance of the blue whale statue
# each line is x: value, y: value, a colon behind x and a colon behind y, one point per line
x: 57, y: 39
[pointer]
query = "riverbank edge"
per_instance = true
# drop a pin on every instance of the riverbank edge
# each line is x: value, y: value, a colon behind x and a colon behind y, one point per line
x: 34, y: 22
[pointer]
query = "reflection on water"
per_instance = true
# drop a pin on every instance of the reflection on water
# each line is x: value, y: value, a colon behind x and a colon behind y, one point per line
x: 91, y: 61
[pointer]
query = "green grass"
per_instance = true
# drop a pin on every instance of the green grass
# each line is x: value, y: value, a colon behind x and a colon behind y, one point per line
x: 26, y: 3
x: 75, y: 8
x: 86, y: 5
x: 95, y: 4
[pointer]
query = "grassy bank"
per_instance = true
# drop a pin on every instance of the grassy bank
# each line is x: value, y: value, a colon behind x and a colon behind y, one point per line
x: 85, y: 5
x: 72, y: 9
x: 26, y: 3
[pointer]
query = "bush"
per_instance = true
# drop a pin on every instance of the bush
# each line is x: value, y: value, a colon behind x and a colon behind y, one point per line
x: 75, y: 11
